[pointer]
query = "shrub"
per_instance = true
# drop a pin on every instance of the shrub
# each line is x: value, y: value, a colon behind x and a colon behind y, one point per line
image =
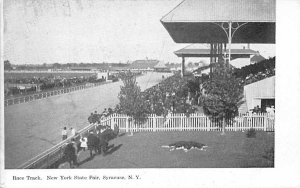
x: 251, y: 133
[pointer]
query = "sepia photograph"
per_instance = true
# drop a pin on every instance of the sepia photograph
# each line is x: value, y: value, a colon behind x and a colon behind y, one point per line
x: 137, y: 84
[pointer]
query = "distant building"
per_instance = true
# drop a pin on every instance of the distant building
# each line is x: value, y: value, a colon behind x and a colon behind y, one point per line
x: 161, y: 67
x: 256, y: 58
x: 174, y: 67
x: 103, y: 75
x: 83, y: 69
x: 143, y: 65
x: 239, y: 57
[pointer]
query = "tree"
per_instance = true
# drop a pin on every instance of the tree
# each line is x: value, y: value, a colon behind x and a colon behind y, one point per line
x: 7, y: 65
x: 57, y: 66
x: 131, y: 100
x: 223, y: 94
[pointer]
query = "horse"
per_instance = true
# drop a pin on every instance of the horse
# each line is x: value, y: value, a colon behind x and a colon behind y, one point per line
x: 99, y: 142
x: 70, y: 154
x: 93, y: 143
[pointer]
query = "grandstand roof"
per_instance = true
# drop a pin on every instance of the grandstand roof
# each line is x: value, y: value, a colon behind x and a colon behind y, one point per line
x: 196, y: 21
x: 160, y: 65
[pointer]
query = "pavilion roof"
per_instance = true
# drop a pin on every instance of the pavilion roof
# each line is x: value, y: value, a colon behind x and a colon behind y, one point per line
x: 222, y: 11
x: 198, y: 21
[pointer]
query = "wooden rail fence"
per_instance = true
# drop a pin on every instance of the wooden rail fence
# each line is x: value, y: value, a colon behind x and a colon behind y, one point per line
x: 52, y: 155
x: 46, y: 94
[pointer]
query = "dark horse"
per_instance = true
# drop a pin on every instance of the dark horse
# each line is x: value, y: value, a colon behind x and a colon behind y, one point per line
x: 99, y: 142
x: 70, y: 154
x: 93, y: 143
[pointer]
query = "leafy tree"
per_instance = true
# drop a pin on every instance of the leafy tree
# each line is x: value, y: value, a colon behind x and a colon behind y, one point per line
x: 223, y: 94
x: 7, y: 65
x: 131, y: 99
x: 57, y: 65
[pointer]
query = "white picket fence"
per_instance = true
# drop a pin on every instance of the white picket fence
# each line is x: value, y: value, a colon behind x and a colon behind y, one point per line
x: 194, y: 122
x: 173, y: 122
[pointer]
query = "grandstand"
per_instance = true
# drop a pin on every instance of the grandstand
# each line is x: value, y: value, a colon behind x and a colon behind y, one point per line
x: 259, y: 84
x: 260, y: 93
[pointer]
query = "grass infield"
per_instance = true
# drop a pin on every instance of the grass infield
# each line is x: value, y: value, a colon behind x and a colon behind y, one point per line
x: 143, y: 150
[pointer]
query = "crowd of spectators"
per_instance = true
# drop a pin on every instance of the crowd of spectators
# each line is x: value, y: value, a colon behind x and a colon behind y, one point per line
x: 95, y: 117
x: 95, y: 140
x: 45, y: 83
x: 270, y: 109
x: 255, y: 72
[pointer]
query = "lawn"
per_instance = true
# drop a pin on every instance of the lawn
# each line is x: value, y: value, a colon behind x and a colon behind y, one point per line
x: 143, y: 150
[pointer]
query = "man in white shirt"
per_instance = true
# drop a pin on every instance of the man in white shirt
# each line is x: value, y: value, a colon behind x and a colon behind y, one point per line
x: 73, y: 131
x: 64, y: 133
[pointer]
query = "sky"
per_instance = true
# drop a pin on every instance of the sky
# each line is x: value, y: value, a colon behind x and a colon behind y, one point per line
x: 66, y: 31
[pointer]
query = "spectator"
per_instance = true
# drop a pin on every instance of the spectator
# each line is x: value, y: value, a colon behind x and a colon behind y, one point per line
x: 71, y: 153
x: 83, y: 143
x: 256, y: 109
x: 93, y: 143
x: 90, y: 118
x: 73, y: 131
x: 272, y: 111
x: 105, y: 112
x: 250, y: 112
x: 64, y: 133
x: 96, y: 117
x: 110, y: 111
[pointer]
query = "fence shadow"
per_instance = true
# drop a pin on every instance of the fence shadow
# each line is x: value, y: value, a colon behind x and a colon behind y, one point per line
x: 122, y: 134
x: 86, y: 160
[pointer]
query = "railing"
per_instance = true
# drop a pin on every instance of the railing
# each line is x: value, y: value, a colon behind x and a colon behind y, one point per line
x: 52, y: 155
x: 33, y: 97
x: 172, y: 122
x: 194, y: 122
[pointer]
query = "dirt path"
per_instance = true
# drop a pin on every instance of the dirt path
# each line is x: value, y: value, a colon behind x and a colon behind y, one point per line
x: 34, y: 127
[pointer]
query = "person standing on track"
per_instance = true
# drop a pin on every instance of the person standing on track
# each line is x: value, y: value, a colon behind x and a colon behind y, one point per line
x: 73, y: 131
x: 64, y: 133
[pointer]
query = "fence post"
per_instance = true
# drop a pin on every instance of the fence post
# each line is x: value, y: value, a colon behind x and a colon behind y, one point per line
x: 112, y: 126
x: 127, y: 122
x: 181, y: 122
x: 265, y: 122
x: 207, y: 123
x: 236, y: 121
x: 154, y: 122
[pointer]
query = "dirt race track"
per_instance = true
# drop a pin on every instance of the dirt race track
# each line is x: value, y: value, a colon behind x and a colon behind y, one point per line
x: 31, y: 128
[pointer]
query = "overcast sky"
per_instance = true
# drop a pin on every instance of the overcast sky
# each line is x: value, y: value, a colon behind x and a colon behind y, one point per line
x: 49, y: 31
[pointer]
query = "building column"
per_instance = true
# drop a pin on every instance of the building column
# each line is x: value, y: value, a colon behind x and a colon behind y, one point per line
x: 182, y: 67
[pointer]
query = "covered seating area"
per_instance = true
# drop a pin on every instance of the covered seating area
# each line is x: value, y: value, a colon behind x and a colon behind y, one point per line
x: 221, y: 23
x: 194, y: 51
